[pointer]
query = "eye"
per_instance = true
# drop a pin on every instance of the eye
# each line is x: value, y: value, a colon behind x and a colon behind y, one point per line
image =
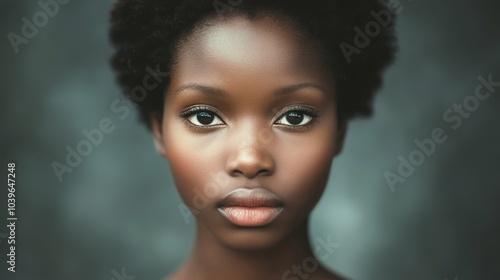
x: 202, y: 117
x: 297, y: 116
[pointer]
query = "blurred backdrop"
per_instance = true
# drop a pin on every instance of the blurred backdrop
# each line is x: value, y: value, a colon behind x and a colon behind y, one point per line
x: 117, y: 214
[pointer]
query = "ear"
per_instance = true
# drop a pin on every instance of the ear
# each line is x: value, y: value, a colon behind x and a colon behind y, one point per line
x: 340, y: 137
x: 156, y: 128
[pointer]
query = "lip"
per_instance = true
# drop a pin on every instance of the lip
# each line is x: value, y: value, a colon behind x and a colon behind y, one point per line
x: 250, y: 207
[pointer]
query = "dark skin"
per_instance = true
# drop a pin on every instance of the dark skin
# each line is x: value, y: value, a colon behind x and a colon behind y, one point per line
x: 266, y: 118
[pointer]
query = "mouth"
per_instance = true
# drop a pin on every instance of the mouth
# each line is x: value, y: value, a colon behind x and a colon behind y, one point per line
x: 250, y: 207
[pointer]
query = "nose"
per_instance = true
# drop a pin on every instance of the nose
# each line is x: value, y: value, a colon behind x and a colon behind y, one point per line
x: 251, y: 156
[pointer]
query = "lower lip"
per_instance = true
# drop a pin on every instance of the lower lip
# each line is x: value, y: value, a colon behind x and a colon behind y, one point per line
x: 250, y: 216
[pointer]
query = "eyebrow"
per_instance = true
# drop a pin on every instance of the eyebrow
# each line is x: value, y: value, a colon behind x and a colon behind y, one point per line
x: 221, y: 93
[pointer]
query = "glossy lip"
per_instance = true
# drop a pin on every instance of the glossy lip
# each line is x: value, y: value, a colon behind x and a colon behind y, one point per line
x: 250, y: 207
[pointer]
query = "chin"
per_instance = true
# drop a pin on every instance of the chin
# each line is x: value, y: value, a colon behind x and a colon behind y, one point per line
x: 253, y: 239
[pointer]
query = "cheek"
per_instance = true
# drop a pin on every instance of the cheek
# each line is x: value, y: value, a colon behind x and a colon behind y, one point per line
x: 306, y: 171
x: 302, y: 163
x: 183, y: 168
x: 310, y: 175
x: 187, y: 165
x: 194, y: 170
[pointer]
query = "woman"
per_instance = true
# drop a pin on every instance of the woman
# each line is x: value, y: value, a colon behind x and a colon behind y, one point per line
x: 249, y: 102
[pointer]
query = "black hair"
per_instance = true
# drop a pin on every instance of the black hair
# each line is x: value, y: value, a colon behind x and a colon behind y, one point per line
x: 146, y: 33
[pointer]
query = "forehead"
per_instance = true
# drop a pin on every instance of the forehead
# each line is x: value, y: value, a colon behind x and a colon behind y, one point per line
x: 268, y: 44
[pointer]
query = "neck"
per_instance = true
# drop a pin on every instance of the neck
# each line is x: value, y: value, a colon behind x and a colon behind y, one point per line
x: 210, y: 259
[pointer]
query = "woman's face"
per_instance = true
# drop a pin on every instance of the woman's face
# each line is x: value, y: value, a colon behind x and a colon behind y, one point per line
x: 249, y: 129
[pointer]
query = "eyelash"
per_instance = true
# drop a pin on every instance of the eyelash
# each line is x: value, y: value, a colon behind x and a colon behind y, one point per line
x: 314, y: 114
x: 196, y: 109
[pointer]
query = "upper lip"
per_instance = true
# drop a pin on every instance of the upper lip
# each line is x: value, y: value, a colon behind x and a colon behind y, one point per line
x: 257, y: 197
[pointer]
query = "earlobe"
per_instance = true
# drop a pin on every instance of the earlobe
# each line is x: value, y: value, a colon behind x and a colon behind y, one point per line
x: 340, y: 137
x: 156, y: 129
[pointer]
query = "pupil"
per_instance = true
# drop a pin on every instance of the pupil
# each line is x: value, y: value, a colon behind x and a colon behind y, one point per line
x: 205, y: 118
x: 294, y: 118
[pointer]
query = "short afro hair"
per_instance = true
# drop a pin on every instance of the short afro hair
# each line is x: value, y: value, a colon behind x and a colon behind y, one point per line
x: 146, y: 34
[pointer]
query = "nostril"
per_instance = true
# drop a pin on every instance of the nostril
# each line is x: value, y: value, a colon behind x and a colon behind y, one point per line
x: 249, y: 174
x: 263, y: 171
x: 250, y: 163
x: 236, y: 172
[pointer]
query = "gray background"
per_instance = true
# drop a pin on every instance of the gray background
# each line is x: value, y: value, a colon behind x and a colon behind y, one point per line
x: 118, y: 209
